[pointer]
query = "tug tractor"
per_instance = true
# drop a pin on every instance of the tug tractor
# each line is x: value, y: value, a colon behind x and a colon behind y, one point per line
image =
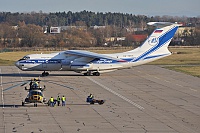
x: 93, y: 101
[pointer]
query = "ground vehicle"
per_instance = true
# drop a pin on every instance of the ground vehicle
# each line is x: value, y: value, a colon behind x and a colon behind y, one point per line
x: 93, y: 101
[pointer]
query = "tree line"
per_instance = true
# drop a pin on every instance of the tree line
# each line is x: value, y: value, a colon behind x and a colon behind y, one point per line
x: 27, y: 29
x: 73, y: 18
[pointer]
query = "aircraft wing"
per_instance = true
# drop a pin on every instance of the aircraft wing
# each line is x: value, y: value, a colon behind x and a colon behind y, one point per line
x: 83, y: 53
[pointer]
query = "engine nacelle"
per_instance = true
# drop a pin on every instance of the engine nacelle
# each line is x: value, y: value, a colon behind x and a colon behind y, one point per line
x: 80, y: 66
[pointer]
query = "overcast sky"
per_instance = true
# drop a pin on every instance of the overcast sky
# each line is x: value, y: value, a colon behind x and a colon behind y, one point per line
x: 190, y: 8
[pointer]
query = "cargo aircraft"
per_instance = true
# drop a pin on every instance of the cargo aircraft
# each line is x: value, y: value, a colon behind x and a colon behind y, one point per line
x: 90, y: 63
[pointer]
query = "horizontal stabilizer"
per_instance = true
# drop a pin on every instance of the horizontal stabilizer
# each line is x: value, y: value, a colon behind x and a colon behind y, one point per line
x: 162, y: 24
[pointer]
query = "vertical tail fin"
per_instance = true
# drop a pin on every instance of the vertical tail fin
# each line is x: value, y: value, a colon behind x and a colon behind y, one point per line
x: 155, y: 46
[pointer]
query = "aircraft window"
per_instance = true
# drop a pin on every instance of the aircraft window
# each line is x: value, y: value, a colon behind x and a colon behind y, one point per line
x: 36, y: 93
x: 39, y: 93
x: 25, y: 58
x: 33, y: 93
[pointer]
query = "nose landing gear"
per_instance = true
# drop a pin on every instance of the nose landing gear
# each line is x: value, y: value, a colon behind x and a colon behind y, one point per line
x: 45, y: 74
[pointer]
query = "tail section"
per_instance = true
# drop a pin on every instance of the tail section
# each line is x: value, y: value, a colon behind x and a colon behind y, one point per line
x: 155, y: 46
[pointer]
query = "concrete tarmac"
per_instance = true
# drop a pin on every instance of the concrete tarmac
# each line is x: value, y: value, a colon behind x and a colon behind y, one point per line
x: 144, y: 99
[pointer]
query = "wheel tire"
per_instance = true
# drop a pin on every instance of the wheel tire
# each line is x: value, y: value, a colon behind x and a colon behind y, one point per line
x: 22, y: 103
x: 88, y: 73
x: 96, y: 74
x: 46, y: 74
x: 85, y: 74
x: 43, y: 74
x: 101, y: 102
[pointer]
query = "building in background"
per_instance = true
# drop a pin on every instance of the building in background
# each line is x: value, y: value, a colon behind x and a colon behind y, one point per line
x: 55, y: 30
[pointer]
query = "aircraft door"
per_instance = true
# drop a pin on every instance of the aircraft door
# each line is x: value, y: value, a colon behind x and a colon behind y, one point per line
x: 44, y: 65
x: 65, y: 64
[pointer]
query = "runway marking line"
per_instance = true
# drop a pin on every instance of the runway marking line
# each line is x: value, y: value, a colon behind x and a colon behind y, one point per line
x: 117, y: 94
x: 156, y: 77
x: 179, y: 85
x: 170, y: 82
x: 167, y: 81
x: 192, y: 89
x: 2, y: 98
x: 20, y: 75
x: 4, y: 126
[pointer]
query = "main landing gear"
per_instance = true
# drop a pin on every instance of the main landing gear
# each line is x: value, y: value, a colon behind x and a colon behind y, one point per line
x: 96, y: 74
x: 45, y: 74
x: 89, y: 73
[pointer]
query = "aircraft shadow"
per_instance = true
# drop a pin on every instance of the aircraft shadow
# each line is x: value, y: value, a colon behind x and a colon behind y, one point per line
x: 71, y: 104
x: 20, y: 106
x: 9, y: 106
x: 35, y: 75
x: 64, y: 75
x: 19, y: 75
x: 41, y: 105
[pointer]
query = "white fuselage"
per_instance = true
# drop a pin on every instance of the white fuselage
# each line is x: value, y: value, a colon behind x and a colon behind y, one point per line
x: 62, y: 62
x: 155, y: 47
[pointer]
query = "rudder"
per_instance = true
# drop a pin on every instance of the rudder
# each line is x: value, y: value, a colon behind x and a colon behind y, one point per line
x: 156, y: 44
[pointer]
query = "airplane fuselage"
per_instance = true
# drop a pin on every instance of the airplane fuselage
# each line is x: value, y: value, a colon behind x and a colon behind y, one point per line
x: 155, y: 47
x: 60, y: 62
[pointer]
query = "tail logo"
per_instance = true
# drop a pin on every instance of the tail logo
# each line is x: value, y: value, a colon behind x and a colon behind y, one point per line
x: 153, y: 41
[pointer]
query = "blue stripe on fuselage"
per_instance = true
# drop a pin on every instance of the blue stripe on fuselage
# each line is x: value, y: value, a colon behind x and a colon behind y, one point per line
x: 34, y: 61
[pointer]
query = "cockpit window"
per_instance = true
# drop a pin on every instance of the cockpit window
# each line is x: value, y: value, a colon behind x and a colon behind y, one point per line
x: 35, y: 93
x: 25, y: 58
